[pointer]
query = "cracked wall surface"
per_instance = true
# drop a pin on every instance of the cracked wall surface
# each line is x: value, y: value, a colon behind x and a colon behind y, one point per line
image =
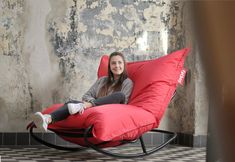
x: 15, y: 100
x: 50, y: 51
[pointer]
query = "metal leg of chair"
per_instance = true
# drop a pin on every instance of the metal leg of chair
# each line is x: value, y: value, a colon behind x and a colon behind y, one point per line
x: 142, y: 144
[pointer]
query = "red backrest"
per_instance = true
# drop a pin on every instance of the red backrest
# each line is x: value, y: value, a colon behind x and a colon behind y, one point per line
x: 155, y: 81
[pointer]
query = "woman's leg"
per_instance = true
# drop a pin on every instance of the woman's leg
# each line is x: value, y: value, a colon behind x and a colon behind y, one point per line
x: 62, y: 112
x: 114, y: 98
x: 42, y: 121
x: 69, y: 108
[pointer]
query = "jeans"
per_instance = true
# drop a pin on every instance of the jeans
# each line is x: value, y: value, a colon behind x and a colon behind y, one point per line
x: 63, y: 112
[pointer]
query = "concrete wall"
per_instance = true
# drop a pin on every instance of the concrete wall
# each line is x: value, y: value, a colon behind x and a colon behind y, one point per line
x: 50, y: 50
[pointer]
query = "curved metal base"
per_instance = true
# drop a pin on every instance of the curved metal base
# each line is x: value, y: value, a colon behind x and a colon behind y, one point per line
x: 31, y: 126
x: 136, y: 155
x: 96, y: 147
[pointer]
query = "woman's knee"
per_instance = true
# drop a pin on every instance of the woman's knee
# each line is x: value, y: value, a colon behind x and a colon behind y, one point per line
x: 120, y: 96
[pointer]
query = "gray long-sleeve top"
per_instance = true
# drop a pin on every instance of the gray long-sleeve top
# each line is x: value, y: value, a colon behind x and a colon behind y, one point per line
x: 92, y: 93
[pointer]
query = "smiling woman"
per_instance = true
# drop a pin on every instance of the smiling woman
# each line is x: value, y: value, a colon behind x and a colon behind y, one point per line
x: 117, y: 73
x: 117, y: 66
x: 111, y: 89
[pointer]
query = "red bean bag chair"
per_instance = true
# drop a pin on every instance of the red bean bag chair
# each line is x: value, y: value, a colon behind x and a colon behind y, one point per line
x: 155, y: 82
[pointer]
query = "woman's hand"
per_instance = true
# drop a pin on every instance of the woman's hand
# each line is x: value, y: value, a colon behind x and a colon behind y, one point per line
x: 87, y: 104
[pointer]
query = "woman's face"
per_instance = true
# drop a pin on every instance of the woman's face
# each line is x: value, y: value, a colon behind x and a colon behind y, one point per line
x: 116, y: 66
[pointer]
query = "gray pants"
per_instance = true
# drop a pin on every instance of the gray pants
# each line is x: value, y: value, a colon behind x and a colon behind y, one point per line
x: 63, y: 112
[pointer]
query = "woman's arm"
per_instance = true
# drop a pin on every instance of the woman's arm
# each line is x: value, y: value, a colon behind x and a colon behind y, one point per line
x: 90, y: 95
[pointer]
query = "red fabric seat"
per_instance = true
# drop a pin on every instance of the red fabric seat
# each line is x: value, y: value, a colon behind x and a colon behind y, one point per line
x: 154, y: 84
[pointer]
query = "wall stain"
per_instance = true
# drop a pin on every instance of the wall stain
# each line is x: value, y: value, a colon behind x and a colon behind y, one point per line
x: 72, y: 35
x: 31, y: 97
x: 62, y: 67
x: 90, y: 2
x: 56, y: 96
x: 174, y: 25
x: 63, y: 45
x: 11, y: 31
x: 115, y: 25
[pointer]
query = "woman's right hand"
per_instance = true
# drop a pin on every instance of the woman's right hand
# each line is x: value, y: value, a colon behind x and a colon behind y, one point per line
x: 87, y: 104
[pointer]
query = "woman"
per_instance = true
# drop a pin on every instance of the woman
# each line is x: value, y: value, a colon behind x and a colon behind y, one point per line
x: 112, y: 89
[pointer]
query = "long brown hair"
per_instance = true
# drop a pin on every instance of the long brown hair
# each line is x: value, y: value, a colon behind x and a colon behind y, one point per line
x: 110, y: 80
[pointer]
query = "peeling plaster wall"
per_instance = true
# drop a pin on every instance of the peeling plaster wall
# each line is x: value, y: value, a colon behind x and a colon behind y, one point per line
x: 14, y: 84
x: 50, y: 51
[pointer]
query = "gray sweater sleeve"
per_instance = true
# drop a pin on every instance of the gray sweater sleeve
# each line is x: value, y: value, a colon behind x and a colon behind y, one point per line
x: 127, y: 87
x: 90, y: 95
